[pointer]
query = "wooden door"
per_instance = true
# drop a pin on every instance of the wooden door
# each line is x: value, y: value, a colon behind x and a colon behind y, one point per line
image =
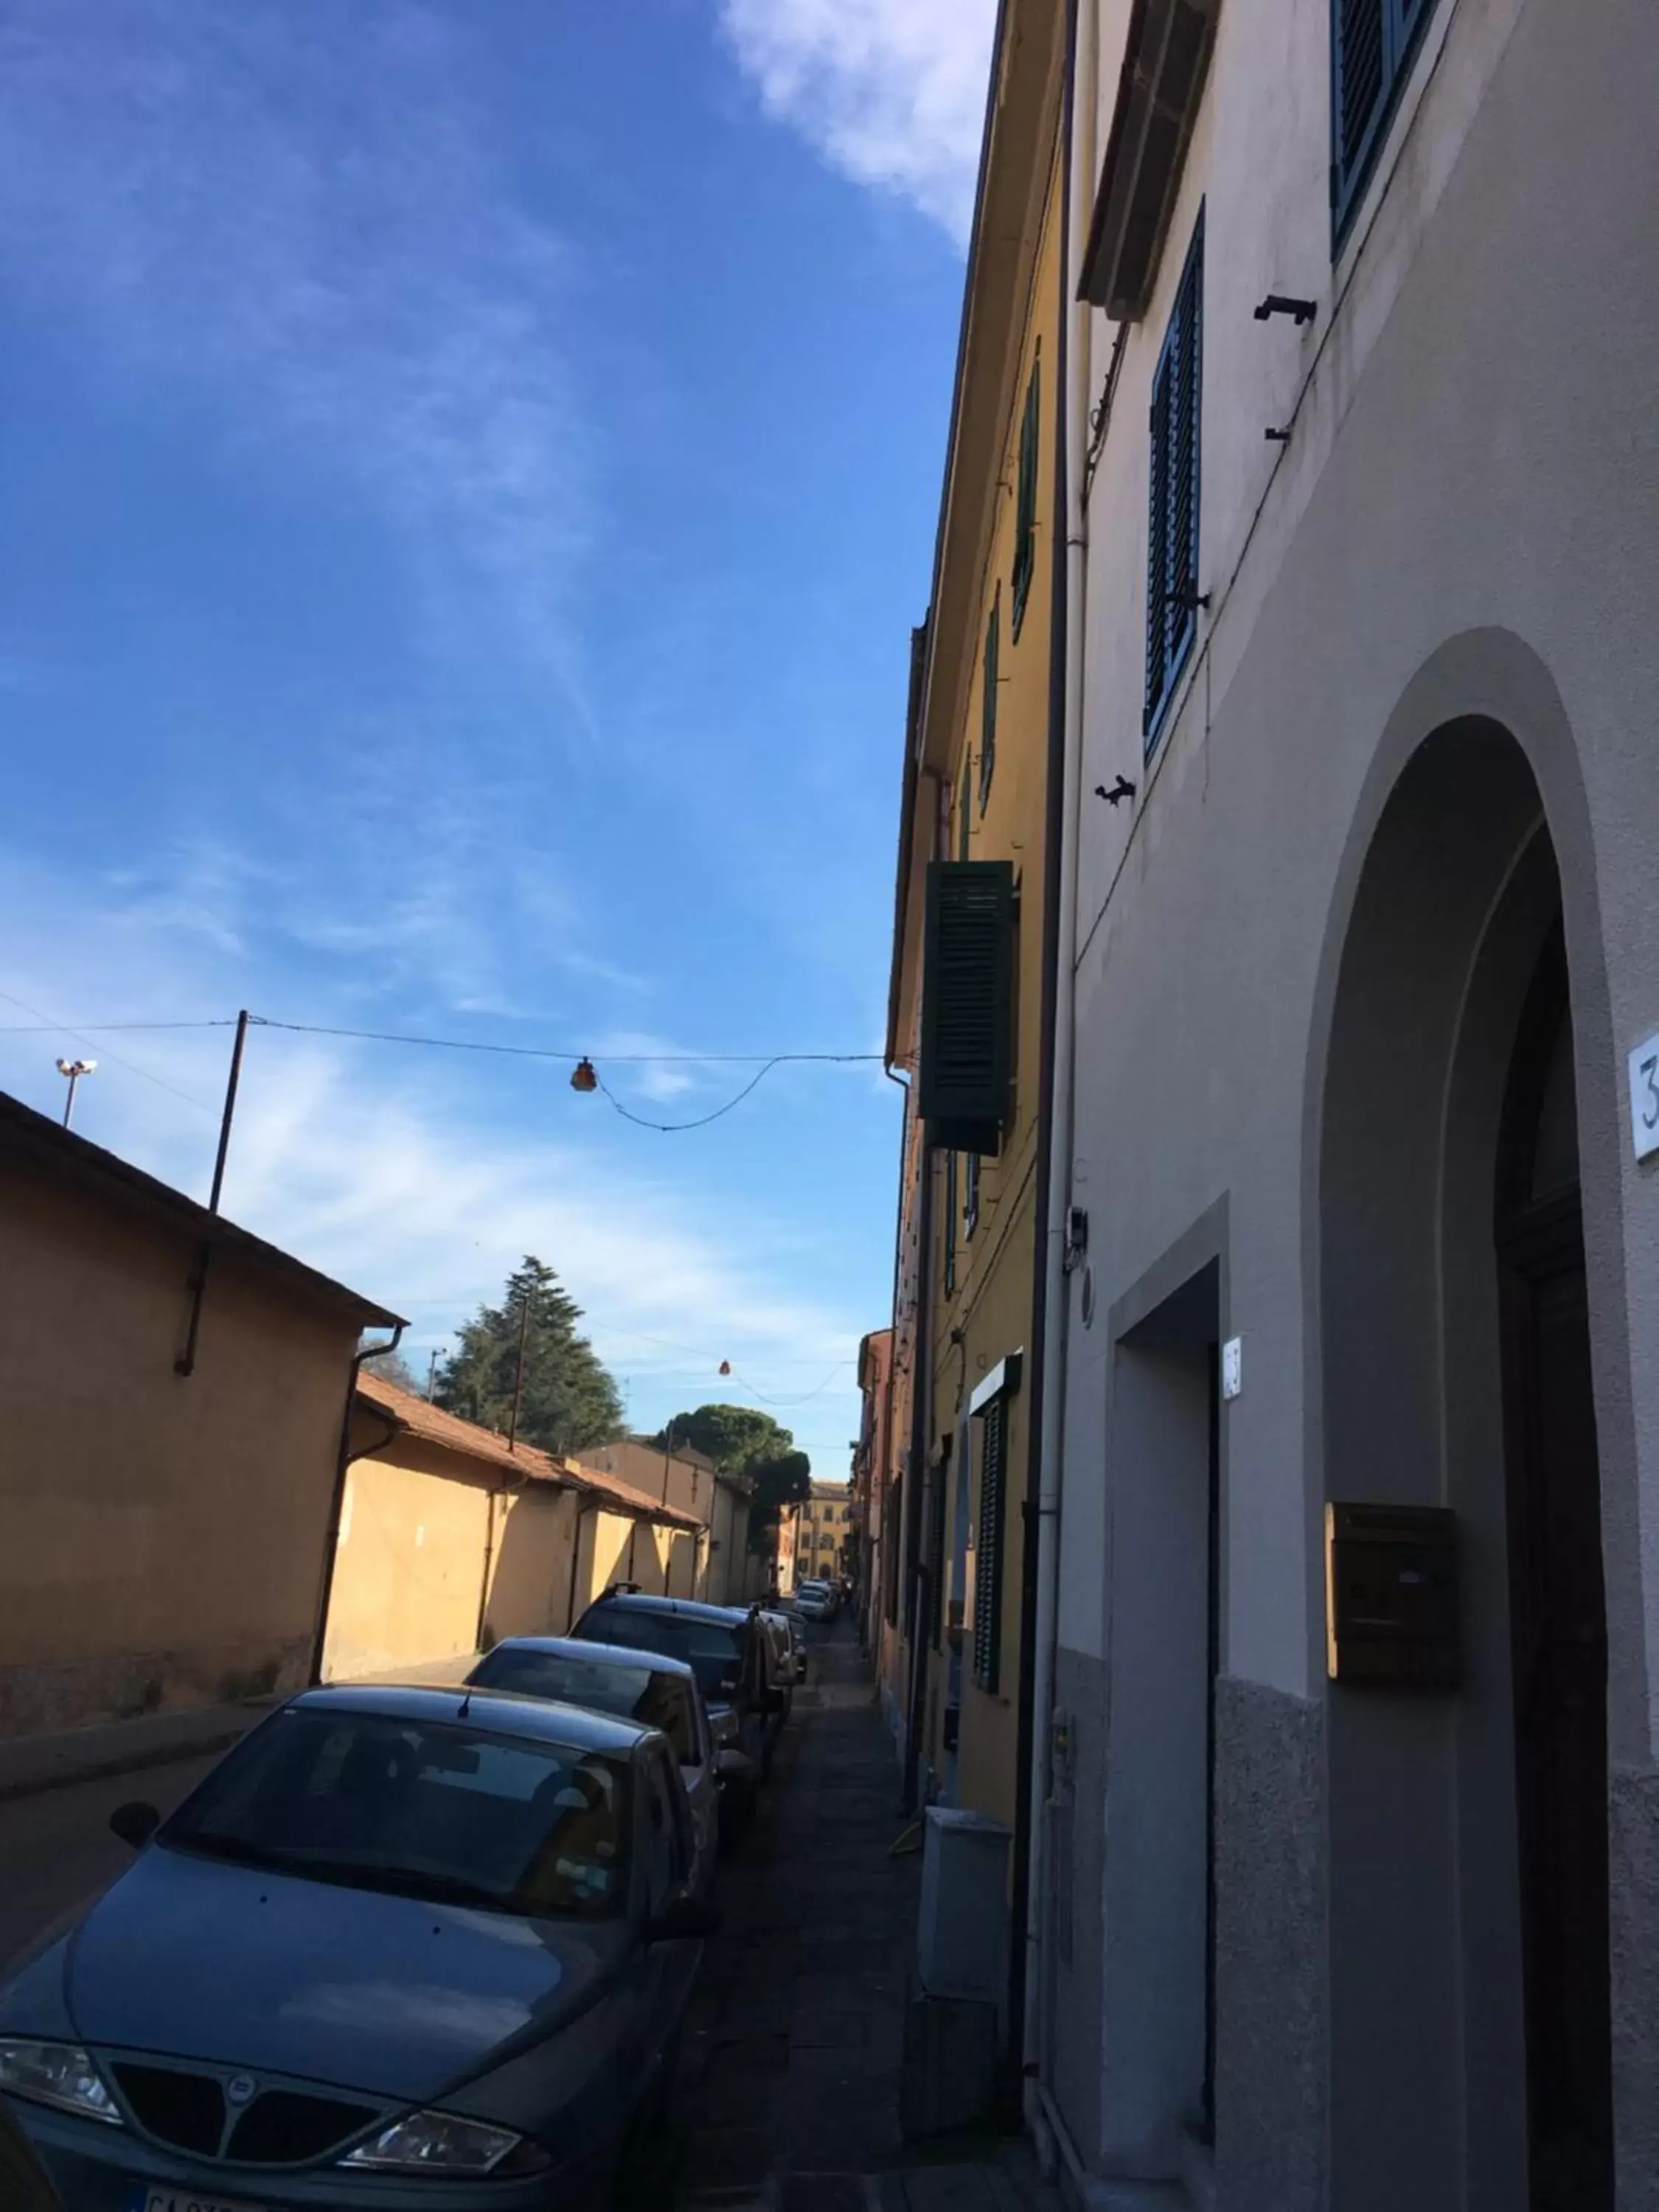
x: 1559, y: 1620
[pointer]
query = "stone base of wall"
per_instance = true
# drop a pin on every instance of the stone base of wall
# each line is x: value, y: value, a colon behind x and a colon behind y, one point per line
x: 1634, y: 1858
x: 122, y: 1686
x: 1270, y: 1950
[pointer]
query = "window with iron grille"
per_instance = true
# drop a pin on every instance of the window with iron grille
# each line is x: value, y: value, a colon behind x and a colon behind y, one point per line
x: 939, y: 1490
x: 1026, y: 511
x: 1372, y: 44
x: 970, y: 1166
x: 987, y: 1565
x: 1172, y: 591
x: 987, y: 710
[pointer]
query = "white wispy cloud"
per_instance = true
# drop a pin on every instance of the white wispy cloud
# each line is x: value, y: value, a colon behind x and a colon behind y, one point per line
x: 397, y: 1174
x: 890, y: 92
x: 293, y: 211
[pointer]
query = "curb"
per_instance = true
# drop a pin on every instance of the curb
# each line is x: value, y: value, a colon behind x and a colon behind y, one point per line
x: 100, y: 1766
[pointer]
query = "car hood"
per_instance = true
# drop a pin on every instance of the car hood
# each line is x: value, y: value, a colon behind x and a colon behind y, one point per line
x: 351, y: 1986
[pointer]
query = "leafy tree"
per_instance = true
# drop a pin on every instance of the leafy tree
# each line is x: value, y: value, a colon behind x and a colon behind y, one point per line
x: 741, y: 1441
x: 569, y: 1402
x: 391, y: 1367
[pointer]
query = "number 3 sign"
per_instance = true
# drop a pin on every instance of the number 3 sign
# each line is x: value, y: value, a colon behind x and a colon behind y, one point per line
x: 1645, y: 1098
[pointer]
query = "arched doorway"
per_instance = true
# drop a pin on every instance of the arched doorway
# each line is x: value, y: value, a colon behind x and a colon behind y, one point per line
x: 1468, y: 1830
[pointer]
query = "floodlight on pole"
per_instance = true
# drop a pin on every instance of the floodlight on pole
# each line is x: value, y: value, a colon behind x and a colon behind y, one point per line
x: 74, y: 1069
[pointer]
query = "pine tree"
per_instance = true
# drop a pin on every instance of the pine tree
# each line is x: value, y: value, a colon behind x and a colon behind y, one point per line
x: 740, y: 1440
x: 569, y: 1401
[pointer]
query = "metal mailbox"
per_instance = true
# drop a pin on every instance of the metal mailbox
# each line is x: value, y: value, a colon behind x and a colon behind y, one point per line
x: 1391, y: 1610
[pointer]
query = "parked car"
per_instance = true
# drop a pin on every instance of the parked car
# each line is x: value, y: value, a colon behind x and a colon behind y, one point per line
x: 795, y: 1643
x: 658, y: 1692
x: 400, y: 1947
x: 734, y: 1658
x: 814, y: 1600
x: 778, y: 1627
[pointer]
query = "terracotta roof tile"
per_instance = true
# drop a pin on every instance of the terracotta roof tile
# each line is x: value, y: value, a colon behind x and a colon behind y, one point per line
x: 434, y: 1426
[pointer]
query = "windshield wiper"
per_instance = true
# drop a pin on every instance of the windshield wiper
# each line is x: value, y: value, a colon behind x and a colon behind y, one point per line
x: 405, y: 1881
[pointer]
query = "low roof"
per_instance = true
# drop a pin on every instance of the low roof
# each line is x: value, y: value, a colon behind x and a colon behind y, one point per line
x: 546, y: 1719
x: 49, y: 1149
x: 412, y: 1415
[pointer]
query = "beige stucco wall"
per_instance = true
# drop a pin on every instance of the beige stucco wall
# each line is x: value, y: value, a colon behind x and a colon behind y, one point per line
x: 409, y: 1576
x: 161, y: 1538
x: 529, y: 1580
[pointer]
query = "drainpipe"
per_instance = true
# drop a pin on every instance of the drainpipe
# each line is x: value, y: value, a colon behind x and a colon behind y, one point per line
x: 336, y: 1503
x: 1045, y: 1477
x: 920, y: 1416
x: 583, y: 1506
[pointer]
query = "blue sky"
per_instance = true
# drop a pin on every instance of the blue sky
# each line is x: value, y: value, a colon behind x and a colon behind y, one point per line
x: 468, y: 472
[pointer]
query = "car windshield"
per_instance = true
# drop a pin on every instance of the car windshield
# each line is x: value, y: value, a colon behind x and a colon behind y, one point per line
x: 605, y: 1686
x: 430, y: 1809
x: 711, y: 1648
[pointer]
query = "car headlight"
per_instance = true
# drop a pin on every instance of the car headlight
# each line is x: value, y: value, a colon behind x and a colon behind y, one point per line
x: 439, y: 2142
x: 60, y: 2074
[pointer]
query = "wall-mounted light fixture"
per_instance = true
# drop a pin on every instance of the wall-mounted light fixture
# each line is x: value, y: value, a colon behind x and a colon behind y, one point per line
x: 1276, y: 303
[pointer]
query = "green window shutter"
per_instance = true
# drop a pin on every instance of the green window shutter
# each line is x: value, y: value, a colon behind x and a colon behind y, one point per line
x: 1177, y: 422
x: 987, y: 1565
x: 966, y: 1000
x: 1026, y: 512
x: 1372, y: 43
x: 950, y: 1225
x: 987, y: 720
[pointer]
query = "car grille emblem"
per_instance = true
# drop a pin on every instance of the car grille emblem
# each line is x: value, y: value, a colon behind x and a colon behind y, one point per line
x: 241, y: 2089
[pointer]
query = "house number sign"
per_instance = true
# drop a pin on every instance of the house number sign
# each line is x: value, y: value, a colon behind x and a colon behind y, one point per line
x: 1645, y: 1097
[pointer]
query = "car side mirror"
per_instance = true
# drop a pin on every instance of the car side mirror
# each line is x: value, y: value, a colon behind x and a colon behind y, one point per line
x: 682, y: 1920
x: 135, y: 1822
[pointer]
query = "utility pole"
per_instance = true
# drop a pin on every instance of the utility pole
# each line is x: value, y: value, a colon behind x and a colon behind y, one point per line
x: 186, y: 1363
x: 517, y: 1385
x: 73, y: 1069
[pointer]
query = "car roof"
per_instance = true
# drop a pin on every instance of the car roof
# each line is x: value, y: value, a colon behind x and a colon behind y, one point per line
x: 693, y: 1608
x: 604, y: 1655
x: 547, y: 1720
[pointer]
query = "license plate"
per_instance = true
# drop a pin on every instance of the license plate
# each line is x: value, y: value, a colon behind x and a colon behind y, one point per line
x: 167, y: 2197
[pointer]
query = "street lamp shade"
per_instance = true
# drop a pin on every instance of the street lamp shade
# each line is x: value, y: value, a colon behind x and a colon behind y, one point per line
x: 76, y: 1067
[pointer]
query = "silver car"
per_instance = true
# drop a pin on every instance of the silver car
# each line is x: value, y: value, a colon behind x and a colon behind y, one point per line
x: 644, y: 1686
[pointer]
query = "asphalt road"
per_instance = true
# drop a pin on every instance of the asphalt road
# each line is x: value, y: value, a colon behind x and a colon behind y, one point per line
x: 57, y: 1852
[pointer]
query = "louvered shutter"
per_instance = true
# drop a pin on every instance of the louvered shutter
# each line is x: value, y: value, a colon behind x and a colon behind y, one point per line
x: 988, y: 1564
x: 1372, y: 42
x: 988, y: 720
x: 1158, y: 552
x: 967, y: 997
x: 1025, y: 508
x: 1176, y: 427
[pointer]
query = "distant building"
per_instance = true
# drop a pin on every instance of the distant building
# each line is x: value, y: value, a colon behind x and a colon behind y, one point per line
x: 824, y: 1522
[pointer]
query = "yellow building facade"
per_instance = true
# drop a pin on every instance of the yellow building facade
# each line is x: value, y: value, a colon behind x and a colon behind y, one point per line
x: 976, y: 791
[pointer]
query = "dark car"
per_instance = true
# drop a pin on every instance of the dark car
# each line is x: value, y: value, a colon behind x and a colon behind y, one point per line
x: 401, y: 1947
x: 646, y: 1686
x: 733, y: 1653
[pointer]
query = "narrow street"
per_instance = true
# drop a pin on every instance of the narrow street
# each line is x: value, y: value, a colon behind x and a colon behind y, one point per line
x: 788, y: 2088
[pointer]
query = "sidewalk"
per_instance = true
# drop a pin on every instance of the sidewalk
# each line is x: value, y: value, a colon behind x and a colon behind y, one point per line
x: 29, y: 1764
x: 788, y: 2095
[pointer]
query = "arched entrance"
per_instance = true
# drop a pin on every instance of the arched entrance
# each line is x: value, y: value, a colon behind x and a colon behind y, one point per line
x: 1467, y: 1829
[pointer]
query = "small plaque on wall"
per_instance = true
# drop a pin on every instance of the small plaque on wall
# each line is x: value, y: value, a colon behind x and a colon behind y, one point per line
x: 1391, y: 1611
